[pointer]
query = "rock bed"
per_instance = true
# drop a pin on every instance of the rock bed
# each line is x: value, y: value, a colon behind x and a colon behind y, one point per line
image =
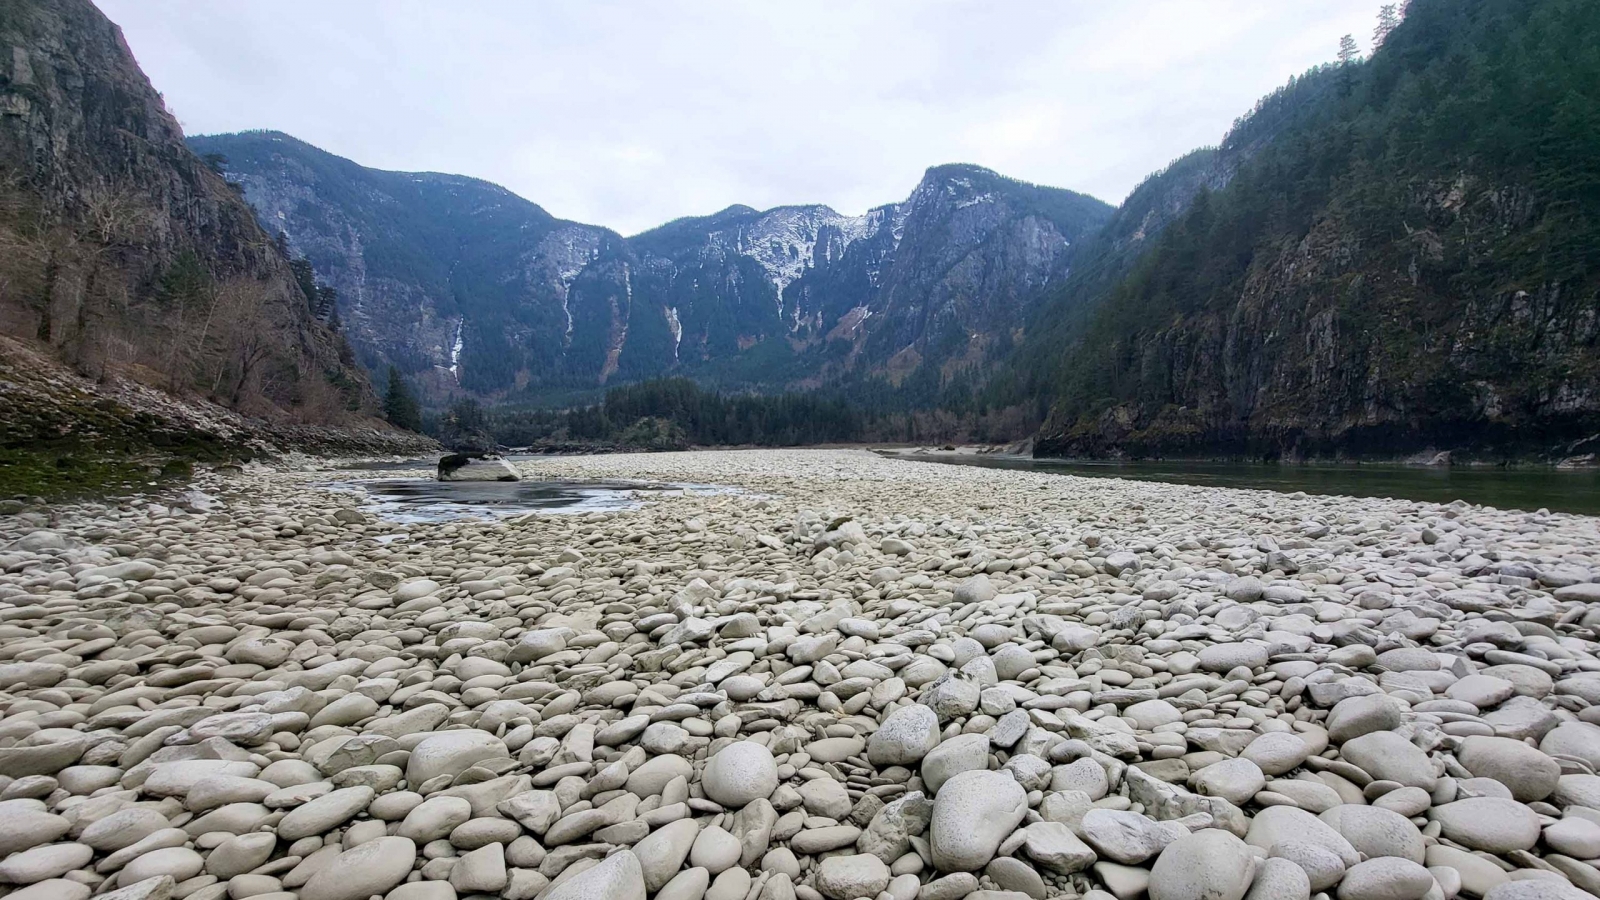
x: 859, y: 678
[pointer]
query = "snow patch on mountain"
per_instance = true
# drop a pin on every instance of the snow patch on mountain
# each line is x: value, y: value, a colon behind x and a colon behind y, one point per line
x: 619, y: 326
x: 675, y: 325
x: 850, y: 323
x: 568, y: 251
x: 456, y: 346
x: 783, y: 241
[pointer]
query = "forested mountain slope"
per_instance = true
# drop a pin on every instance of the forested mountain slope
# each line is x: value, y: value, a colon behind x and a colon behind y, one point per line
x: 121, y: 253
x: 1412, y: 262
x: 467, y: 288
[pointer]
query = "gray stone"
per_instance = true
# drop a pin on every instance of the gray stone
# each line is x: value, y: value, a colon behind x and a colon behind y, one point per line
x: 1322, y: 866
x: 1286, y: 823
x: 1277, y: 752
x: 1537, y: 889
x: 1235, y: 780
x: 1575, y: 836
x: 1375, y: 832
x: 480, y: 871
x: 1054, y: 846
x: 324, y: 813
x: 24, y: 824
x: 1385, y: 878
x: 973, y: 814
x: 1012, y: 874
x: 662, y: 853
x: 849, y: 877
x: 375, y: 867
x: 962, y: 753
x: 618, y: 877
x: 49, y: 861
x: 1579, y: 740
x: 180, y: 863
x: 1227, y: 657
x: 51, y: 889
x: 1356, y: 716
x: 437, y: 816
x: 451, y: 753
x: 1388, y: 756
x: 1279, y: 879
x: 741, y: 772
x: 1207, y: 865
x: 240, y: 854
x: 1529, y: 774
x: 461, y: 467
x: 1127, y: 837
x: 1488, y: 823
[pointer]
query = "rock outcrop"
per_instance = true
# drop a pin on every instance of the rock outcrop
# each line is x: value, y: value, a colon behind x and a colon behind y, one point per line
x: 124, y: 254
x: 1340, y: 297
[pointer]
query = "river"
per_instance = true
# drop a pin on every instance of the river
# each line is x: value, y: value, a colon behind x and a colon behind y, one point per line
x: 1574, y: 491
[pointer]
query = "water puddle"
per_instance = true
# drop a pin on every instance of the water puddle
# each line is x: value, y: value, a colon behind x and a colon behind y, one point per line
x: 420, y: 500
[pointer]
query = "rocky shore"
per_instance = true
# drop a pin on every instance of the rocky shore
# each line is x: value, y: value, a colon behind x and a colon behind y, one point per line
x: 855, y: 677
x: 64, y: 435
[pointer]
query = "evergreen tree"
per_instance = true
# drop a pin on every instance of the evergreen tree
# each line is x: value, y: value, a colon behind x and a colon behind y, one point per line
x: 400, y: 404
x: 1347, y: 50
x: 1388, y: 18
x: 327, y: 300
x: 306, y: 278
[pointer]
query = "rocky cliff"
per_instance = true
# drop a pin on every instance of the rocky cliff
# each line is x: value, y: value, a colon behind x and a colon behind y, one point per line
x: 123, y: 255
x: 469, y: 288
x: 1411, y: 264
x: 1035, y: 371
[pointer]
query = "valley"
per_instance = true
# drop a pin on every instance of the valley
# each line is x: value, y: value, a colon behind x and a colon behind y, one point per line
x: 1307, y: 609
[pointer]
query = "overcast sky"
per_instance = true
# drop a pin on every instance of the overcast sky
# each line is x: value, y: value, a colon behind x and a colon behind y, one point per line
x: 628, y: 114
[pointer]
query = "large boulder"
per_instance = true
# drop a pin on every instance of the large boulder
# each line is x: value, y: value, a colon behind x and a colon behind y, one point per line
x: 740, y: 773
x: 470, y: 467
x: 1208, y: 865
x: 618, y: 877
x: 973, y: 814
x: 451, y: 753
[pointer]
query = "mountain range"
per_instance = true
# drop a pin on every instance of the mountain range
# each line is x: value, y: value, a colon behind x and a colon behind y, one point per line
x: 1385, y: 257
x: 468, y: 288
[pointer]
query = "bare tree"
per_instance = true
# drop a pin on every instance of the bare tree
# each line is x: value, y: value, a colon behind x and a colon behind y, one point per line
x: 248, y: 337
x: 115, y: 216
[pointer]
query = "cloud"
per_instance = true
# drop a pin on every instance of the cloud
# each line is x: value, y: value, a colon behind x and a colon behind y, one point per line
x: 628, y: 114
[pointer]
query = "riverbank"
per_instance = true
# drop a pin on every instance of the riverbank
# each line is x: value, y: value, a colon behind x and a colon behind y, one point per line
x: 1523, y: 487
x: 66, y: 436
x: 852, y: 675
x: 1430, y: 459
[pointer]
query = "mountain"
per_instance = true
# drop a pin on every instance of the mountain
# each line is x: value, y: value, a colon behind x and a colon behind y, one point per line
x: 123, y: 255
x: 468, y: 288
x: 1411, y: 262
x: 1033, y: 374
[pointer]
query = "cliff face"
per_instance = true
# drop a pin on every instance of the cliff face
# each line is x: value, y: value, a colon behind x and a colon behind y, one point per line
x: 469, y: 288
x: 123, y: 254
x: 1338, y: 348
x: 1096, y: 267
x: 1410, y: 265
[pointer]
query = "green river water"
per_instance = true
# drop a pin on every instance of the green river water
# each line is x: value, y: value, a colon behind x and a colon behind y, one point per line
x: 1529, y: 488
